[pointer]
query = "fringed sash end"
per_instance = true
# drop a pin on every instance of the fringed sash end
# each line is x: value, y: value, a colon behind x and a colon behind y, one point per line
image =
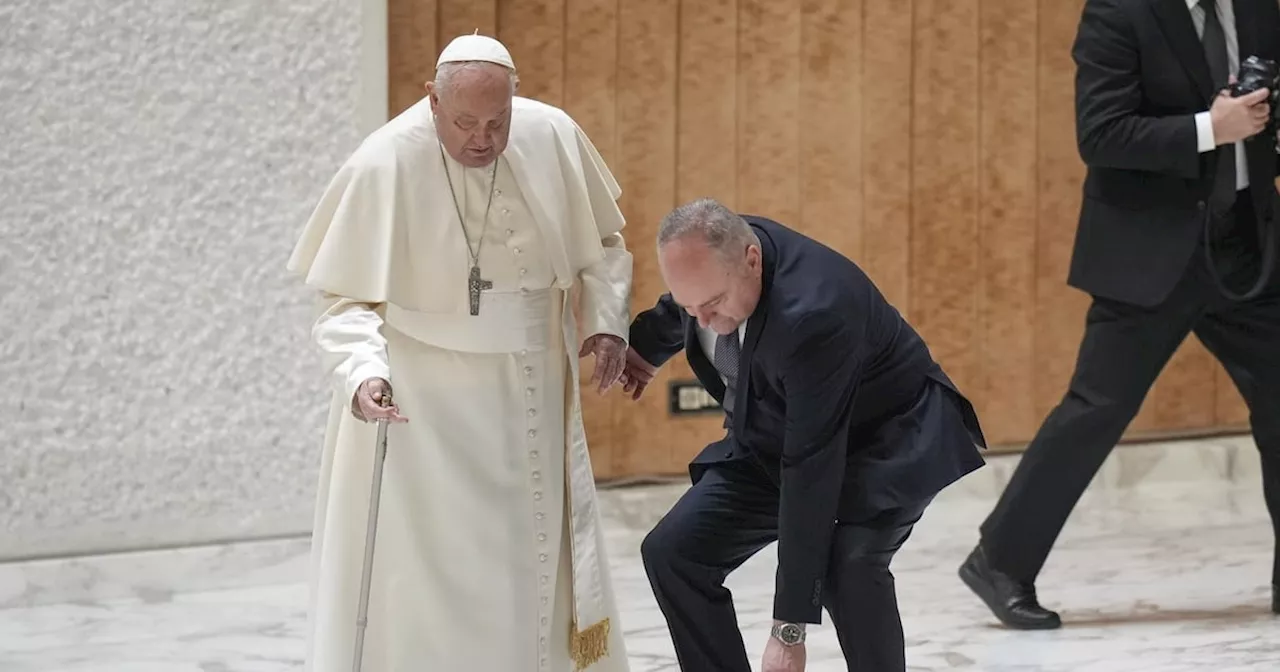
x: 589, y: 646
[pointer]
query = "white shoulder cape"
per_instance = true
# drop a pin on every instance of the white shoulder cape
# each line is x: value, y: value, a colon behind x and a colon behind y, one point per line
x: 385, y: 231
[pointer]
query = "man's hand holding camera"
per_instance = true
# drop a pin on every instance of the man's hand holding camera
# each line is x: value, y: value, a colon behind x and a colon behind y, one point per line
x: 1235, y: 119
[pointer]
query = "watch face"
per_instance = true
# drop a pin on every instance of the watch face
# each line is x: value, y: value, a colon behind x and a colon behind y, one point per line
x: 790, y: 633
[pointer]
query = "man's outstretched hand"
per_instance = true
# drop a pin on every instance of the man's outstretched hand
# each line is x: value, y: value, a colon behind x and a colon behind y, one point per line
x: 637, y: 374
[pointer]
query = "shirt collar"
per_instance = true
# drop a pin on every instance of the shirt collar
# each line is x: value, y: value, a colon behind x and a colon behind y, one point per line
x: 1191, y: 4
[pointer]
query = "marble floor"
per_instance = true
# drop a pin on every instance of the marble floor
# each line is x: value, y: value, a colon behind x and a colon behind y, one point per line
x: 1163, y: 567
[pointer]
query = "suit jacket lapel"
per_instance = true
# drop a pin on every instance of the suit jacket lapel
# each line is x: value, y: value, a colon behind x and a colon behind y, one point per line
x: 755, y: 324
x: 1175, y: 21
x: 702, y: 367
x: 749, y: 341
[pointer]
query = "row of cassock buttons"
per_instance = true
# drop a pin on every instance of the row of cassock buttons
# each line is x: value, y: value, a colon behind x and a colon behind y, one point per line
x: 539, y: 515
x: 506, y: 212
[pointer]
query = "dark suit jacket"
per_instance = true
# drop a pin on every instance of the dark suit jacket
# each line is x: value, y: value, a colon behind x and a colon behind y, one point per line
x: 840, y: 402
x: 1141, y: 77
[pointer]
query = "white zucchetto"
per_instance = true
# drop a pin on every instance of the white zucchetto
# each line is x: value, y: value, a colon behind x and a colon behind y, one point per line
x: 476, y: 47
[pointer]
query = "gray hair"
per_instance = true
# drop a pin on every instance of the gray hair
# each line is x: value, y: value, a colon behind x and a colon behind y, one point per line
x: 719, y: 227
x: 448, y: 73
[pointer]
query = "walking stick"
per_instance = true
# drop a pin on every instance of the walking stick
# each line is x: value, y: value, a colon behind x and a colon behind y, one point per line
x: 375, y: 494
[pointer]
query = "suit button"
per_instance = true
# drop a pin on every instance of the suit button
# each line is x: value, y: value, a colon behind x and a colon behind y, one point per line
x: 1200, y: 205
x: 728, y: 454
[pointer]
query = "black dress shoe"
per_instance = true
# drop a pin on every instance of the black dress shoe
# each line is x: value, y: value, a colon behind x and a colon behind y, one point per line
x: 1012, y: 601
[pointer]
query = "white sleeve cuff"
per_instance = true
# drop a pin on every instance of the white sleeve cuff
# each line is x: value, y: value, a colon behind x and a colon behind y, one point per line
x: 606, y: 292
x: 1205, y: 142
x: 354, y: 350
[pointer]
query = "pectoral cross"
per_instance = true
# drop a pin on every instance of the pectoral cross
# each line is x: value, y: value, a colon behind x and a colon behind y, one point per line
x: 475, y: 285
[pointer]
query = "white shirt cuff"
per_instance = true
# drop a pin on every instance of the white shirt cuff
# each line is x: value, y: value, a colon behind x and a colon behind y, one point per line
x: 1205, y: 142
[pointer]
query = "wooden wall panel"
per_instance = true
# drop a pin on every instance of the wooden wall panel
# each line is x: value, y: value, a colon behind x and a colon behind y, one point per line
x: 944, y: 187
x: 533, y: 30
x: 888, y: 62
x: 591, y: 68
x: 464, y: 17
x: 932, y: 141
x: 411, y: 51
x: 707, y: 118
x: 648, y: 38
x: 769, y: 91
x: 1007, y: 186
x: 830, y: 122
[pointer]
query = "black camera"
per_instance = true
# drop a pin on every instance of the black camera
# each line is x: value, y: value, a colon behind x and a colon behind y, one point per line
x: 1260, y: 73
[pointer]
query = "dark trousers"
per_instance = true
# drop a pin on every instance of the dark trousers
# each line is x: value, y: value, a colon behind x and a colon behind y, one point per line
x: 729, y: 515
x: 1123, y: 351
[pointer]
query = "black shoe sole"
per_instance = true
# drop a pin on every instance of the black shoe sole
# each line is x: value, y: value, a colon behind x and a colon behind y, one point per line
x: 984, y: 592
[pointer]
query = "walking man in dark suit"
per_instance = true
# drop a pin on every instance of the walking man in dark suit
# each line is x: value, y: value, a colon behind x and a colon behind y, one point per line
x: 841, y: 429
x: 1177, y: 221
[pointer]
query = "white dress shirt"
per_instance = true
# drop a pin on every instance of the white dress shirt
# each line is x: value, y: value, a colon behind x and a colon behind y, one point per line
x: 1204, y: 126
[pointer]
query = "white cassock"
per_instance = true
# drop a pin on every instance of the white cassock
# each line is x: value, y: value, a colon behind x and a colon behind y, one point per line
x: 489, y: 553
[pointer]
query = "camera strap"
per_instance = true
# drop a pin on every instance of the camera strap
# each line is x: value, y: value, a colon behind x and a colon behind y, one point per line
x: 1266, y: 238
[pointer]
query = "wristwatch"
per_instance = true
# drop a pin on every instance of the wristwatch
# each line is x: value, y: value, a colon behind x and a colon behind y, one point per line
x: 790, y: 634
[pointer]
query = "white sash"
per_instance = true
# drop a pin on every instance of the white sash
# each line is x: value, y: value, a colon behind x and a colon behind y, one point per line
x: 511, y: 321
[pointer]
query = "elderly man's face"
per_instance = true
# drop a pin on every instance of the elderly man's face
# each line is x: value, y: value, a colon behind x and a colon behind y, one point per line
x: 719, y: 290
x: 473, y: 117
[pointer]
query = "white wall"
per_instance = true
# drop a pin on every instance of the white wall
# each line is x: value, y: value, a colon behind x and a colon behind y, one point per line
x: 157, y: 159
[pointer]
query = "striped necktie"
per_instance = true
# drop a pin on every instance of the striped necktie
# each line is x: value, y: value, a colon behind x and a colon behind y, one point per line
x: 728, y: 352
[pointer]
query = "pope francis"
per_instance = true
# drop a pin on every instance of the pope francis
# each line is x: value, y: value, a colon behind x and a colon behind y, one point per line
x: 456, y: 252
